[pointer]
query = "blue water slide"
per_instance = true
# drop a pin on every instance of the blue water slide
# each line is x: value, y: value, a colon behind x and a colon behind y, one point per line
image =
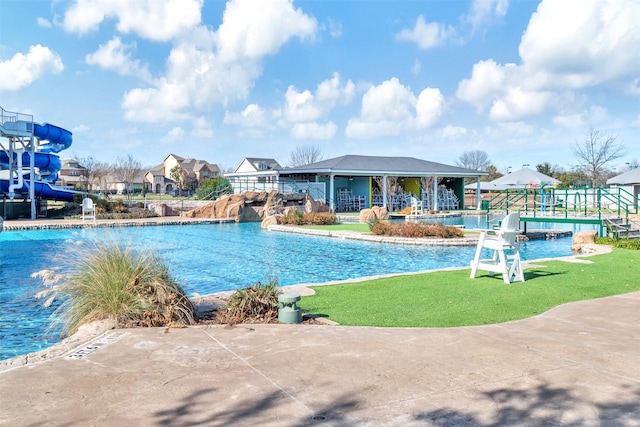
x: 58, y: 139
x: 53, y: 139
x: 48, y: 164
x: 41, y: 189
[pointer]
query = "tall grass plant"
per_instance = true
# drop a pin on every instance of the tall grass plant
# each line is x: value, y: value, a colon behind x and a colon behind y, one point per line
x: 109, y: 280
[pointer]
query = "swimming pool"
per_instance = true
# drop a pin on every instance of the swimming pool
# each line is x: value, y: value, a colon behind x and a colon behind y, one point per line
x: 212, y: 258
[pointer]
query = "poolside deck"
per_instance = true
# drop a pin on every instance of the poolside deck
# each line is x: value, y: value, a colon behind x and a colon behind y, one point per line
x: 46, y: 224
x: 573, y: 365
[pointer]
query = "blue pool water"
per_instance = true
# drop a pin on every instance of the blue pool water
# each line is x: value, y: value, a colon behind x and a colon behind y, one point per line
x: 216, y: 257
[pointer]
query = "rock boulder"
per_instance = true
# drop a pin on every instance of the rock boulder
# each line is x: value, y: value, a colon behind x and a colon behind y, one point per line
x: 255, y: 206
x: 375, y: 213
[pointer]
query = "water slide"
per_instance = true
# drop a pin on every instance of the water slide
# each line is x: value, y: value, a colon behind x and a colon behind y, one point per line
x: 53, y: 139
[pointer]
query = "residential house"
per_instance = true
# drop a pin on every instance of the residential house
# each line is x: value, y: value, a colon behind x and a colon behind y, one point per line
x: 73, y: 175
x: 155, y: 181
x: 194, y: 171
x: 255, y: 174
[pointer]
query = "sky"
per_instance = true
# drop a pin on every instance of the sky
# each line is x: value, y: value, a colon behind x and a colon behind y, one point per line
x: 523, y: 81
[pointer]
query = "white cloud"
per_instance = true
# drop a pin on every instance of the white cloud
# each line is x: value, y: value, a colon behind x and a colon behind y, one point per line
x: 568, y: 44
x: 569, y: 121
x: 44, y: 23
x: 307, y: 107
x: 483, y: 11
x: 250, y: 32
x: 81, y: 129
x: 427, y: 34
x: 175, y: 134
x: 22, y: 70
x: 335, y: 28
x: 202, y: 128
x: 207, y: 68
x: 253, y: 116
x: 453, y: 132
x: 159, y: 20
x: 115, y: 56
x: 391, y: 108
x: 516, y: 104
x: 582, y: 43
x: 417, y: 68
x: 314, y: 130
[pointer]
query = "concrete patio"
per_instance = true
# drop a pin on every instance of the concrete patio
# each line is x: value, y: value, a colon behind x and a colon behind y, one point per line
x: 574, y: 365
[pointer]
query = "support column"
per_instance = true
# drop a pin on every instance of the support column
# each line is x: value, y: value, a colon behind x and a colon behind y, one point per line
x: 384, y: 191
x: 332, y: 204
x: 435, y: 194
x: 478, y: 198
x: 32, y: 176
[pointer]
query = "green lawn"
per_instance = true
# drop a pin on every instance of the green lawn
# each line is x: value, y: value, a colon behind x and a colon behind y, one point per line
x: 451, y: 298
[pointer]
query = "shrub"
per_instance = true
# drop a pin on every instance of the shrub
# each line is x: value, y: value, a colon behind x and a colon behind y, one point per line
x: 619, y: 243
x: 319, y: 218
x: 255, y: 304
x: 415, y: 230
x: 295, y: 217
x: 112, y: 281
x: 382, y: 228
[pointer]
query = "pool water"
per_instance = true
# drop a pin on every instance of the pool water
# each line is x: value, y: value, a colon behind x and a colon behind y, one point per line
x: 216, y: 257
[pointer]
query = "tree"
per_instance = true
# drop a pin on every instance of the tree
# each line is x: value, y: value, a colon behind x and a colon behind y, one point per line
x: 547, y: 169
x: 595, y: 152
x: 98, y: 175
x: 126, y: 170
x: 88, y: 163
x: 393, y: 187
x: 476, y: 160
x: 304, y: 155
x: 492, y: 173
x: 213, y: 188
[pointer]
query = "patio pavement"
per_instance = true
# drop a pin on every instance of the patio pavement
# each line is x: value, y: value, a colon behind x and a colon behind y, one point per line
x: 576, y: 364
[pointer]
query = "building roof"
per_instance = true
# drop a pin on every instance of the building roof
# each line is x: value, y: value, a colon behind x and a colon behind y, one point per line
x: 382, y: 165
x: 631, y: 176
x: 270, y: 163
x: 196, y: 165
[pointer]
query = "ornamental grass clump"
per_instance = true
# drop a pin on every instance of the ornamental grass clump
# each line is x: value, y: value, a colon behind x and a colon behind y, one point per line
x: 415, y: 230
x: 110, y: 280
x: 296, y: 217
x: 254, y: 304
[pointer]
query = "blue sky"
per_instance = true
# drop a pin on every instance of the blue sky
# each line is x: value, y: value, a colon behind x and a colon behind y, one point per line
x: 220, y: 81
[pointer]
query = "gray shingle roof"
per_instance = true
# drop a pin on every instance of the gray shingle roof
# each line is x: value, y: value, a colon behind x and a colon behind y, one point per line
x: 629, y: 177
x: 382, y: 165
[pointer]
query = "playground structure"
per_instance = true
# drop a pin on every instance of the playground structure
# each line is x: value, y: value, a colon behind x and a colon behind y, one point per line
x: 611, y: 209
x: 29, y: 163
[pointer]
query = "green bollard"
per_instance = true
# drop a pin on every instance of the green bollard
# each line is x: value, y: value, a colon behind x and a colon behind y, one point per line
x: 288, y: 312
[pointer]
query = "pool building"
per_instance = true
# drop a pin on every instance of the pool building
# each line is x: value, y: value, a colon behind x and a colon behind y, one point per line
x: 354, y: 182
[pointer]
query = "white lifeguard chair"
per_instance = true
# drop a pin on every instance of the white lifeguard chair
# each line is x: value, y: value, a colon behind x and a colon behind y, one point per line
x: 88, y: 210
x: 416, y: 206
x: 506, y: 250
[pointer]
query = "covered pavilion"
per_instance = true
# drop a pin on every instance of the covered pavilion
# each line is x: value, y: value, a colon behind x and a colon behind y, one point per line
x: 357, y: 173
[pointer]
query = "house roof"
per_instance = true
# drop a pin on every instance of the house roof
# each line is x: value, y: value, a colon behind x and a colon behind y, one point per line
x: 178, y: 158
x: 271, y: 163
x: 381, y: 165
x: 196, y: 165
x: 631, y: 176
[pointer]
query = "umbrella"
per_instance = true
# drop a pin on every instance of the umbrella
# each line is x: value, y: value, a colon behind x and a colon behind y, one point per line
x: 523, y: 178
